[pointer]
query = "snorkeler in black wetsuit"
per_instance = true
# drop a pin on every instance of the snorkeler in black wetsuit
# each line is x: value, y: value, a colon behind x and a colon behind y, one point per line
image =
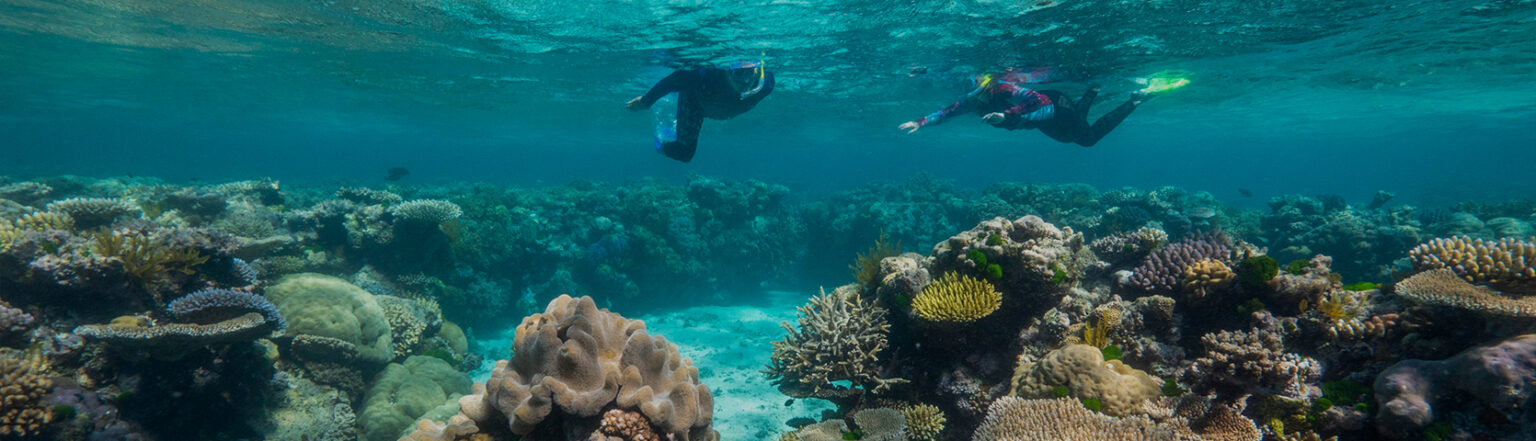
x: 1003, y: 103
x: 710, y: 92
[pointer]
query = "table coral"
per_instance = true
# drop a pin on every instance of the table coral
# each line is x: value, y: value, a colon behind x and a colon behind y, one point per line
x: 1444, y: 287
x: 94, y: 212
x: 1508, y: 264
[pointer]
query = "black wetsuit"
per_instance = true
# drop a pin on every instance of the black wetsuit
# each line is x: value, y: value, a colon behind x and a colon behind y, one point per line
x: 701, y: 93
x: 1070, y: 124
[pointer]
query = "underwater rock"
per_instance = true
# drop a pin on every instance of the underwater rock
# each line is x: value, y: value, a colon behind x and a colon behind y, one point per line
x: 1497, y: 375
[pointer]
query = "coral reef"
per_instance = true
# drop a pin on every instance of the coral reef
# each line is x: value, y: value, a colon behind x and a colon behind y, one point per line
x: 1016, y: 419
x: 1084, y: 373
x: 1164, y: 270
x: 1497, y: 375
x: 573, y: 361
x: 1445, y: 288
x: 1508, y: 264
x: 956, y: 299
x: 23, y: 384
x: 320, y: 305
x: 839, y: 338
x: 1236, y: 363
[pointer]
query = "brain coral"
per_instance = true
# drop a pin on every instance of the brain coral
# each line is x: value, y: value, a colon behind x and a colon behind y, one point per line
x: 1083, y: 371
x: 573, y: 361
x: 956, y: 299
x: 317, y: 304
x: 1509, y: 264
x: 404, y: 392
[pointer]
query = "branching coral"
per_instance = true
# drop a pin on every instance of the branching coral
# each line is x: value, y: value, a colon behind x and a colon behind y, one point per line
x: 956, y: 299
x: 1508, y: 264
x: 1082, y: 370
x: 426, y: 211
x: 924, y: 422
x: 1444, y: 287
x: 148, y: 260
x: 1238, y: 362
x: 866, y: 267
x: 1125, y: 247
x: 23, y: 384
x: 44, y: 220
x: 94, y: 212
x: 839, y: 338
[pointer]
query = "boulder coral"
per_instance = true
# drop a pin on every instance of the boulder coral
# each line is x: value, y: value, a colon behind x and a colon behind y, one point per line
x: 1082, y: 370
x: 570, y: 364
x: 321, y: 305
x: 1498, y: 376
x: 404, y: 392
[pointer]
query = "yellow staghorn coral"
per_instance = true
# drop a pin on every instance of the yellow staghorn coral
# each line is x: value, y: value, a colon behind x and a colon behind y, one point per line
x: 866, y: 266
x: 146, y: 259
x: 956, y: 299
x: 8, y: 235
x: 1444, y: 287
x: 1204, y: 276
x: 1509, y: 264
x: 924, y: 422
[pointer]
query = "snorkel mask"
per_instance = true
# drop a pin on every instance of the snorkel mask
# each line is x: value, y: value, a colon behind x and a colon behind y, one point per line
x: 747, y: 76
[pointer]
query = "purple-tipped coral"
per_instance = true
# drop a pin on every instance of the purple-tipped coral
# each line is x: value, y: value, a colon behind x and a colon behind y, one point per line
x: 213, y: 305
x: 1163, y: 270
x: 244, y: 271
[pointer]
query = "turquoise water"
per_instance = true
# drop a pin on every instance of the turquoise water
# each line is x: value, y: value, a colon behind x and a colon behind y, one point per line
x: 534, y: 181
x: 1304, y: 96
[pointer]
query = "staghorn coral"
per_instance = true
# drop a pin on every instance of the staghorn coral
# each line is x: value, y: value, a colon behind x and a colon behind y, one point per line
x: 214, y: 304
x: 1508, y: 264
x: 23, y: 384
x: 44, y: 220
x: 1444, y: 287
x: 90, y: 213
x: 172, y: 340
x: 881, y: 424
x: 956, y: 299
x: 573, y: 361
x: 426, y: 211
x: 1017, y: 419
x: 924, y: 422
x: 1163, y: 270
x: 147, y: 259
x: 839, y: 338
x: 1255, y: 361
x: 1498, y: 376
x: 627, y: 426
x: 1123, y: 247
x: 1082, y: 369
x: 1204, y: 276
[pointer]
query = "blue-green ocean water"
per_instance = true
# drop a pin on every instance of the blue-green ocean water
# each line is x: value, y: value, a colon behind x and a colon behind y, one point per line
x: 1433, y: 100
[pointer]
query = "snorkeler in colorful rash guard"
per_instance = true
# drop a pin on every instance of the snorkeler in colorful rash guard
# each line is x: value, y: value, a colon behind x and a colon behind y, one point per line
x: 710, y: 92
x: 1004, y: 103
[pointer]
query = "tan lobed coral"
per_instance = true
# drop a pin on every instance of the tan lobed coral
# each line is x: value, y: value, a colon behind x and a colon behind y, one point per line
x: 924, y: 422
x: 956, y: 299
x: 1081, y: 369
x: 1508, y: 264
x: 1444, y: 287
x: 1017, y: 419
x: 576, y: 360
x: 23, y: 384
x: 839, y: 338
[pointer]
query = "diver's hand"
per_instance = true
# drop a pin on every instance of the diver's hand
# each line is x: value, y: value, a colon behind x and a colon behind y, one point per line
x: 993, y: 118
x: 909, y: 126
x: 635, y: 105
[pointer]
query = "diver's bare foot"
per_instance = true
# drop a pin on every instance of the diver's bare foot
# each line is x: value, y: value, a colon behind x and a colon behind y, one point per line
x: 635, y: 105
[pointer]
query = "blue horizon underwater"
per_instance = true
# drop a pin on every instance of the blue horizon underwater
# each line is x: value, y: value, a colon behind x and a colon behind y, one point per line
x: 466, y: 220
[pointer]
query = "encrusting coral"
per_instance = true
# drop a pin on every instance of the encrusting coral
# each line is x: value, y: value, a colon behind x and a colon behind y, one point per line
x: 1082, y: 370
x: 572, y: 362
x: 23, y: 384
x: 839, y: 338
x: 1444, y: 287
x: 956, y: 299
x: 1508, y: 264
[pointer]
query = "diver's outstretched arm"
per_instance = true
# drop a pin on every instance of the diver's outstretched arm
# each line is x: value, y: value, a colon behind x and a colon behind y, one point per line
x: 964, y: 105
x: 678, y: 81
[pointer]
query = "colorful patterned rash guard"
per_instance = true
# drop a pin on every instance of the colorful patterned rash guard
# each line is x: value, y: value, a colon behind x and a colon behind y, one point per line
x: 1022, y: 107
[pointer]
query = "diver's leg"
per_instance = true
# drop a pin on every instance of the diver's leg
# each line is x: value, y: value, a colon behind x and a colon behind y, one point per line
x: 690, y: 118
x: 1087, y: 100
x: 1106, y: 123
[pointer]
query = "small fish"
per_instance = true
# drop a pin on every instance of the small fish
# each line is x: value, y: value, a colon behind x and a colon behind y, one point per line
x: 1201, y: 212
x: 396, y: 173
x: 789, y: 402
x: 1245, y: 192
